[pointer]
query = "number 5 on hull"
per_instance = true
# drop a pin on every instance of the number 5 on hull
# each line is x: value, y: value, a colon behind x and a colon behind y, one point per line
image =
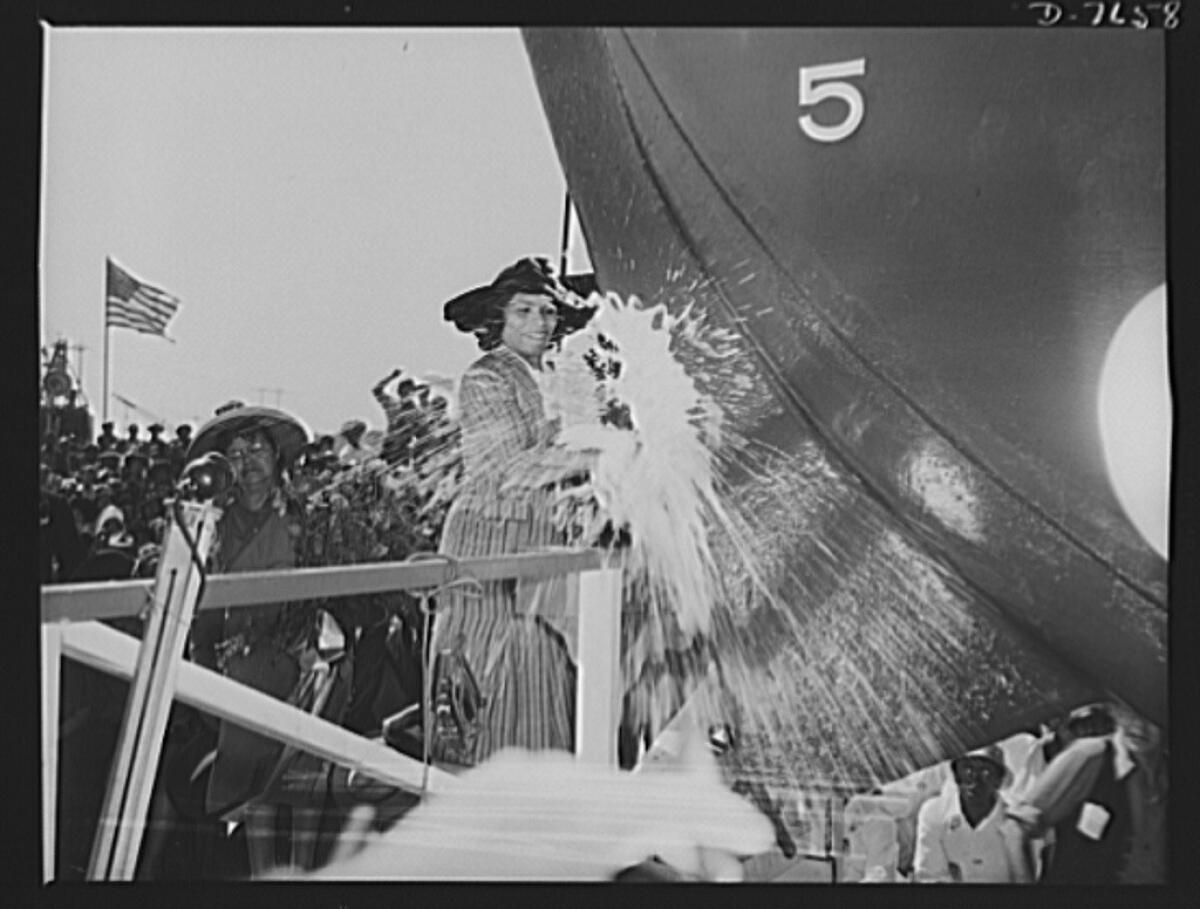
x: 811, y: 93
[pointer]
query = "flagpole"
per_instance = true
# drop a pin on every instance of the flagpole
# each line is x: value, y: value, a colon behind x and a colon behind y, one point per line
x: 107, y: 333
x: 104, y: 368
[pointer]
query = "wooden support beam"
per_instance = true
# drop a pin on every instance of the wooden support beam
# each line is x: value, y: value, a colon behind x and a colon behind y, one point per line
x: 139, y: 747
x: 113, y: 599
x: 598, y: 696
x: 98, y: 600
x: 108, y: 650
x: 51, y: 670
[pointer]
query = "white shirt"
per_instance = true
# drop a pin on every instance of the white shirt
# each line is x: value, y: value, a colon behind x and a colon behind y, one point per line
x: 950, y: 850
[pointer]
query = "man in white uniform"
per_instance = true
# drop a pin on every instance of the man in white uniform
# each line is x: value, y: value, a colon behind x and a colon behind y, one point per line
x: 962, y: 834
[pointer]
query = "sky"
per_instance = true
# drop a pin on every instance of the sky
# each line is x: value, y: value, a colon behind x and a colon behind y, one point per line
x: 312, y: 196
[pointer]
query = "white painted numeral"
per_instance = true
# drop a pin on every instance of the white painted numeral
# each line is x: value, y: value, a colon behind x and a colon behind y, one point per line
x: 811, y: 94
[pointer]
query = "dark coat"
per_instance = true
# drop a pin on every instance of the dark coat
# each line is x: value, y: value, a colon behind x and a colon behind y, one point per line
x: 60, y: 551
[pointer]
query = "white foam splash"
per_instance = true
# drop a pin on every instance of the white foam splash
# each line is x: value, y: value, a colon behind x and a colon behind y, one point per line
x: 656, y: 479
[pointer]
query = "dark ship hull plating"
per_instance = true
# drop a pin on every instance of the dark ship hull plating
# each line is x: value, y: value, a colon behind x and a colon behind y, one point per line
x: 928, y: 298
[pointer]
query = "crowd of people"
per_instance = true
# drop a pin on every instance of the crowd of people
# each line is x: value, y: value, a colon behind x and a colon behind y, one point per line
x: 105, y: 495
x: 102, y: 501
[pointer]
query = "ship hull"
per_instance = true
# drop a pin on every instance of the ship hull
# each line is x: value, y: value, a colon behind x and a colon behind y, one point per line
x: 926, y: 302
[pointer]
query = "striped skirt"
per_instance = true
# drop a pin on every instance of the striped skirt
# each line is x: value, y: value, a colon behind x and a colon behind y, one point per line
x: 520, y: 661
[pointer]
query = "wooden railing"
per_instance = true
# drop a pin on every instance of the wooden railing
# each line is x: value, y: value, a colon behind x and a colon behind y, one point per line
x: 159, y: 674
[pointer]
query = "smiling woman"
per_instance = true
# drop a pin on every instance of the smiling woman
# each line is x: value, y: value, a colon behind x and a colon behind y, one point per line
x: 529, y: 322
x: 513, y: 648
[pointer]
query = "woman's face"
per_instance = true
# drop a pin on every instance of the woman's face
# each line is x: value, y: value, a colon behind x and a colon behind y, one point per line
x: 529, y: 321
x: 253, y: 459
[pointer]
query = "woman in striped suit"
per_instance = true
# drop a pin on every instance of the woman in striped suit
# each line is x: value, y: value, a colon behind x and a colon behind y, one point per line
x: 504, y: 644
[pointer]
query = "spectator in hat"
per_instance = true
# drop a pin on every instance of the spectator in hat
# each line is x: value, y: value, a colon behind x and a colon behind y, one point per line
x: 131, y: 442
x: 520, y: 665
x: 252, y: 535
x: 269, y: 647
x: 107, y: 440
x: 348, y: 446
x: 155, y: 447
x: 962, y: 836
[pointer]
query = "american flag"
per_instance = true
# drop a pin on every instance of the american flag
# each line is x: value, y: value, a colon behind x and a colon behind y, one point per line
x: 134, y: 304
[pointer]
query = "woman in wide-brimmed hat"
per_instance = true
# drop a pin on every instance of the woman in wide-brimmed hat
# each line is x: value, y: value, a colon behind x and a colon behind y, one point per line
x: 261, y: 646
x: 261, y: 444
x: 506, y: 647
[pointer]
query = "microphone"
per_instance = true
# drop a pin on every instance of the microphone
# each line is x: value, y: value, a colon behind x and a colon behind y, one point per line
x: 208, y: 477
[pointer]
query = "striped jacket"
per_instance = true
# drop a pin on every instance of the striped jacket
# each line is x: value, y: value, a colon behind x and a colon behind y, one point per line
x: 523, y: 668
